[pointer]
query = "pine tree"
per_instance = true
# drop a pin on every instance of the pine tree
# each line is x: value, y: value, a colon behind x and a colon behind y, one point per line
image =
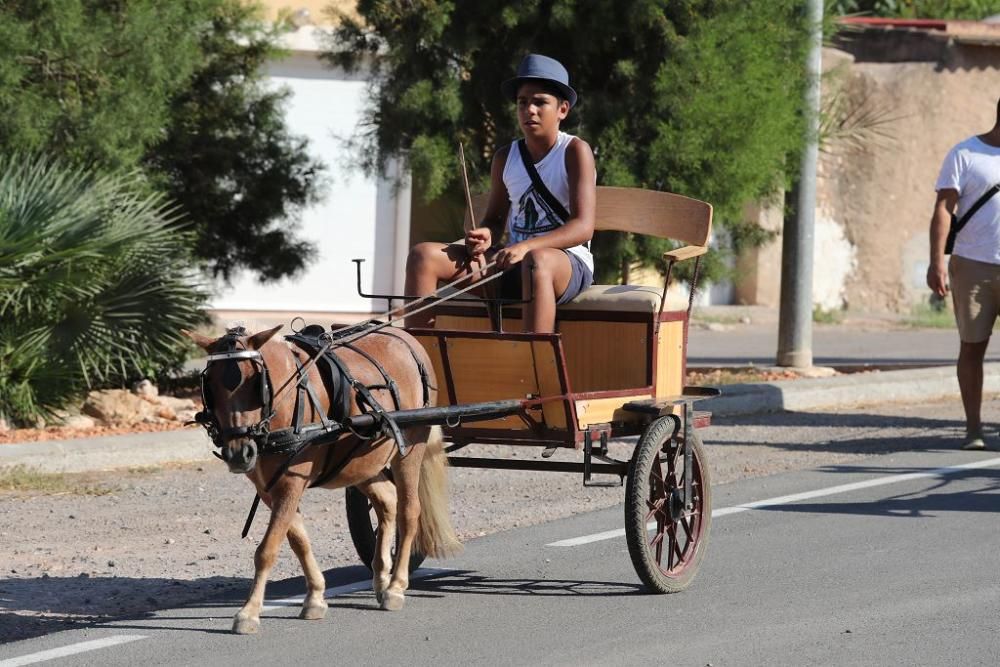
x: 174, y: 88
x: 697, y: 97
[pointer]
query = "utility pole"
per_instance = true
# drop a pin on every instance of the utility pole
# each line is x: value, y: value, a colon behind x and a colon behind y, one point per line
x: 795, y: 313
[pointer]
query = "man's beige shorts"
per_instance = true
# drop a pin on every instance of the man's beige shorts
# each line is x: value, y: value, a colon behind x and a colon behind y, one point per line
x: 975, y: 290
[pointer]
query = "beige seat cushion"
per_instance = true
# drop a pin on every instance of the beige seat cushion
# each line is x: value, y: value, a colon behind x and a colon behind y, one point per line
x: 618, y: 298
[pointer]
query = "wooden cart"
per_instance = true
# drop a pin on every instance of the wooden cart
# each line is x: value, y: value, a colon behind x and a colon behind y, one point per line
x: 616, y: 367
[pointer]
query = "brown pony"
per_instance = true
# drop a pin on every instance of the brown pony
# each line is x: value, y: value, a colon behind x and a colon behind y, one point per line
x: 238, y: 389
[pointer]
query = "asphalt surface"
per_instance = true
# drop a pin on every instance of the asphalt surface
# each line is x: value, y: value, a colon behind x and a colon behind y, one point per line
x: 861, y: 342
x: 892, y: 570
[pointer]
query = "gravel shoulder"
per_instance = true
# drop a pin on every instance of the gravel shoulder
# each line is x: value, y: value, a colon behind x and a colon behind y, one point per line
x: 124, y: 543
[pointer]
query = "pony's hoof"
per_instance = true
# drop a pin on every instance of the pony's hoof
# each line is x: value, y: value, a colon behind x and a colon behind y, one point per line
x: 378, y: 596
x: 392, y: 601
x: 246, y: 626
x: 313, y: 612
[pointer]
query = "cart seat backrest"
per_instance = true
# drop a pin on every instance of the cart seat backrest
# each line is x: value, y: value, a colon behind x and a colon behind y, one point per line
x: 639, y: 211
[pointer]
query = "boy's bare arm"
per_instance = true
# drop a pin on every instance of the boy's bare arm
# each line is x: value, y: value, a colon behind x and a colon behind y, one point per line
x: 491, y: 227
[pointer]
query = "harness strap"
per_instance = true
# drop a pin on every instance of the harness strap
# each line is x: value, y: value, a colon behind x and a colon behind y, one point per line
x: 300, y: 407
x: 340, y: 401
x: 305, y: 388
x: 367, y: 402
x: 325, y: 477
x: 390, y: 384
x: 329, y: 475
x: 425, y: 378
x: 253, y: 511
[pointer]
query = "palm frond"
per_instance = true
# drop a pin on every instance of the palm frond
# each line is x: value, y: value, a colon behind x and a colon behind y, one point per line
x: 95, y: 283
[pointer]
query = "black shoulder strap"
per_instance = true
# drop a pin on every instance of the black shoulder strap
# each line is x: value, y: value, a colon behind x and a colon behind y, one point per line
x: 540, y: 188
x: 975, y: 207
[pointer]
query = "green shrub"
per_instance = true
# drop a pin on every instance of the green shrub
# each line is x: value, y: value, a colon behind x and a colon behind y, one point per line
x: 822, y: 315
x: 934, y: 313
x: 95, y: 282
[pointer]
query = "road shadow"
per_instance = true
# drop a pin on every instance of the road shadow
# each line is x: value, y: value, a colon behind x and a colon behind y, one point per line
x: 47, y: 604
x: 40, y: 606
x: 832, y: 360
x: 853, y: 419
x: 472, y: 582
x: 927, y: 502
x: 896, y: 433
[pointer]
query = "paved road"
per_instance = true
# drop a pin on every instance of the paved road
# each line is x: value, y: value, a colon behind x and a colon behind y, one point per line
x: 890, y: 559
x: 833, y: 345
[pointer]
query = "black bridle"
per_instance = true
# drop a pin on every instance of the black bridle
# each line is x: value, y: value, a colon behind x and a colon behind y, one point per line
x: 232, y: 353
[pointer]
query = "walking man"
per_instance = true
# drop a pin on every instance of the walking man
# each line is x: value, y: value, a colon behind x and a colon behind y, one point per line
x: 965, y: 188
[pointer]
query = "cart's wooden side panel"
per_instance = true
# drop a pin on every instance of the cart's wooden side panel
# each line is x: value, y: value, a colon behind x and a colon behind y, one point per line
x: 603, y: 353
x: 670, y: 359
x: 473, y: 368
x: 606, y: 355
x: 547, y: 377
x: 489, y: 370
x: 606, y: 410
x: 466, y: 323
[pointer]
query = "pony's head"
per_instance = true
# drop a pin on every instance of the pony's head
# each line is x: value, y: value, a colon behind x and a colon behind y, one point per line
x: 237, y: 393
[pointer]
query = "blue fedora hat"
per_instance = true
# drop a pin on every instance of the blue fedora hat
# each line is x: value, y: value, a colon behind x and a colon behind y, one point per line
x: 535, y: 67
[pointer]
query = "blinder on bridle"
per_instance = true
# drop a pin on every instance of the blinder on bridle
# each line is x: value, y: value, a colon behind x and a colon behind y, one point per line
x: 231, y: 377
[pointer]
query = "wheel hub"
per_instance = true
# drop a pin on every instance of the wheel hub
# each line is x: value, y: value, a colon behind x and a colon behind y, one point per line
x: 676, y: 505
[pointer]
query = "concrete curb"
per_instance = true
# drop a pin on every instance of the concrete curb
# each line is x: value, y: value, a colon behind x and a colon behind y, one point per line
x: 150, y: 449
x: 116, y: 451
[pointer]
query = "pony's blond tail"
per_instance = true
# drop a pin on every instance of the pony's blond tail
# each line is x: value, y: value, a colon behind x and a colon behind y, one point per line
x: 435, y: 537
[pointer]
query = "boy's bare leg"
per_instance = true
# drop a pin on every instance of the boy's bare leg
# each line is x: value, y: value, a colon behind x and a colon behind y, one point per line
x: 545, y: 275
x: 428, y: 264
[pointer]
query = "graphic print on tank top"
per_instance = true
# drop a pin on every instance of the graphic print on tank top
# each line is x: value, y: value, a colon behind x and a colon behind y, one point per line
x: 533, y: 217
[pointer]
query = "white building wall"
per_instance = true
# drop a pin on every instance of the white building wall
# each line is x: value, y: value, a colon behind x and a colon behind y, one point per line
x: 357, y: 217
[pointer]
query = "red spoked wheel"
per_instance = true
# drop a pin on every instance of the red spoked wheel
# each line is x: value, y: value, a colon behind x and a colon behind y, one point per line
x: 667, y: 537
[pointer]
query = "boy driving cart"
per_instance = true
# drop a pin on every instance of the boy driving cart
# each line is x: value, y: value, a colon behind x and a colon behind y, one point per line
x: 542, y: 193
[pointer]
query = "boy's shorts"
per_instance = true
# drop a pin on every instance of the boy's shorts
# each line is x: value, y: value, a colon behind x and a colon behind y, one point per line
x: 580, y: 279
x: 975, y: 291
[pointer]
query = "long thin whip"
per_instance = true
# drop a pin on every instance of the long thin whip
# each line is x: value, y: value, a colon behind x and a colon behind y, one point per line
x: 302, y: 372
x: 468, y: 223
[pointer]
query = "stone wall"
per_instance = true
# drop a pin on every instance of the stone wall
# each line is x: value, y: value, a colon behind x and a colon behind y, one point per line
x: 875, y: 190
x: 880, y: 195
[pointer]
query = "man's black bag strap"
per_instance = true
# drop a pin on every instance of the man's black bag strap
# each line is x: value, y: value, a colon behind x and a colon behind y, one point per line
x: 540, y: 188
x: 957, y: 225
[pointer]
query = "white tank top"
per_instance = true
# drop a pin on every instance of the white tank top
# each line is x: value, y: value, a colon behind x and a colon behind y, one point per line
x: 529, y: 215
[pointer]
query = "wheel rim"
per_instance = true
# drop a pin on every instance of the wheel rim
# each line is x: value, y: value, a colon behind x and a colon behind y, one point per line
x: 673, y: 538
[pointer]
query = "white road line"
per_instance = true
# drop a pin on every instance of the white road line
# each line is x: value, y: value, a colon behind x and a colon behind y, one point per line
x: 96, y: 644
x: 354, y: 587
x: 796, y: 497
x: 72, y: 649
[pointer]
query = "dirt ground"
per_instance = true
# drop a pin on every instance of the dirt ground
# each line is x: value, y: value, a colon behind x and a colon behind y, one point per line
x: 108, y: 545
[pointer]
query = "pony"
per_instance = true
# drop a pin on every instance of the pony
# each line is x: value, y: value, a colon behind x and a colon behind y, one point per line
x: 259, y: 391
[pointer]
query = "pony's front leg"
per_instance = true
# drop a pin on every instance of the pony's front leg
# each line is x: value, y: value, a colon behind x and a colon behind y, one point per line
x: 284, y: 507
x: 382, y: 494
x: 314, y: 606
